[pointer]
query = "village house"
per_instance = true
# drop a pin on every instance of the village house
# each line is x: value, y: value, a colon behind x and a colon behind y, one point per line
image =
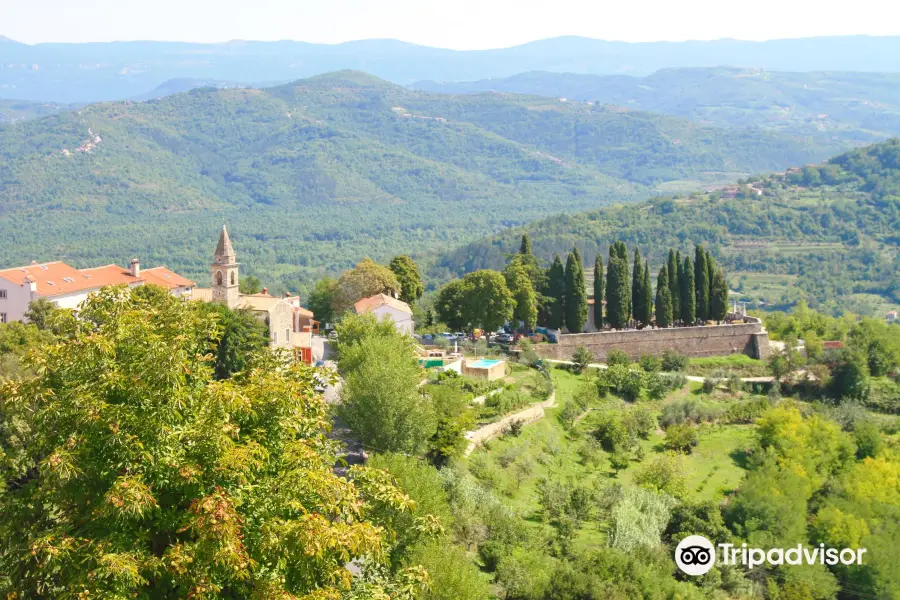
x: 68, y: 287
x: 290, y: 325
x: 382, y: 305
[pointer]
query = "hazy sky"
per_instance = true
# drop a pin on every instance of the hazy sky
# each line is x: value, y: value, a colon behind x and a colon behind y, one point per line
x: 461, y: 24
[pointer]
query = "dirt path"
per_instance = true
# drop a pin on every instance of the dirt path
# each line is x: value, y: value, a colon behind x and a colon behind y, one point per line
x: 533, y: 413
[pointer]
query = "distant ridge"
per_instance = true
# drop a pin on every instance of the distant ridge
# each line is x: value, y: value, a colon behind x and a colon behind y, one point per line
x: 127, y: 69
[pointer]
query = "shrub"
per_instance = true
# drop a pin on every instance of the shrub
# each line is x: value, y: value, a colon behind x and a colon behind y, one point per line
x: 581, y: 359
x: 514, y: 428
x: 665, y: 474
x: 746, y: 412
x: 612, y: 433
x: 868, y: 439
x: 674, y: 362
x: 681, y: 438
x: 639, y: 422
x: 734, y: 383
x: 650, y: 363
x: 617, y: 357
x: 688, y: 411
x: 619, y: 460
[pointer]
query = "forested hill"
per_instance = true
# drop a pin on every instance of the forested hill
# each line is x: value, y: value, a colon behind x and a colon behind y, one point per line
x: 851, y: 106
x: 314, y: 175
x: 828, y: 233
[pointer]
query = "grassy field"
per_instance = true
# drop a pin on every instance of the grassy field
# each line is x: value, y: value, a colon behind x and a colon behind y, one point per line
x: 514, y: 467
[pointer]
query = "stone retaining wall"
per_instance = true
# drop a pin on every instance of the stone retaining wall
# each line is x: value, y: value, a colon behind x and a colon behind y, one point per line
x: 748, y: 338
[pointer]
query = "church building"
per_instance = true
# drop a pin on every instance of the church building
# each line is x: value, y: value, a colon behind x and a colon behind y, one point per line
x: 290, y: 325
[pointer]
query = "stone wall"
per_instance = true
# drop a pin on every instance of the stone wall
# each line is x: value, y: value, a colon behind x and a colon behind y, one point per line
x: 748, y: 338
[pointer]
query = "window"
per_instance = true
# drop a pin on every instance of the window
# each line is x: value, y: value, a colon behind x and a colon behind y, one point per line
x: 232, y: 278
x: 2, y: 294
x: 275, y: 339
x: 218, y: 277
x: 2, y: 317
x: 287, y: 334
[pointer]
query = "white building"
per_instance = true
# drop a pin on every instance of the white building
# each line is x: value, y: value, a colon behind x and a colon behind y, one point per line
x: 382, y: 305
x: 68, y: 287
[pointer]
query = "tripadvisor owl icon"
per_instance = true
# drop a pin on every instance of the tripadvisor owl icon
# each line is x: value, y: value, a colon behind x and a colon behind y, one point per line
x: 695, y: 555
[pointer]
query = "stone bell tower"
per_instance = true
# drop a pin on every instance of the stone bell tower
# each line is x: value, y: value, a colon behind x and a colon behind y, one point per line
x: 225, y: 273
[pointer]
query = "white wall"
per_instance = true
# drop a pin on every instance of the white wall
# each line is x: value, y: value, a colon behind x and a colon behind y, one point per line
x: 402, y: 321
x: 17, y: 299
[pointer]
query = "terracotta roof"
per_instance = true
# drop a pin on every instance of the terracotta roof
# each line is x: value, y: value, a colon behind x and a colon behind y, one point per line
x: 163, y: 277
x: 832, y: 345
x: 57, y: 278
x: 371, y: 303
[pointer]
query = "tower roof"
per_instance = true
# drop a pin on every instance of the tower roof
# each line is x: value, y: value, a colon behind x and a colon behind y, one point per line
x: 224, y: 248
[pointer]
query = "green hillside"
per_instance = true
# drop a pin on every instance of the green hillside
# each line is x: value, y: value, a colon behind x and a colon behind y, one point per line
x: 826, y: 233
x: 314, y: 175
x: 853, y: 107
x: 22, y: 110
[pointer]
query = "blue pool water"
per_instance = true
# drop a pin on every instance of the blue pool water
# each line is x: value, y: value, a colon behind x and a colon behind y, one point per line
x: 484, y: 363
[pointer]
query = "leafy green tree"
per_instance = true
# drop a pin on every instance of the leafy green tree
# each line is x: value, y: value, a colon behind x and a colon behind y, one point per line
x: 380, y: 398
x: 322, y: 298
x: 480, y: 299
x: 688, y: 300
x: 637, y: 282
x: 581, y: 358
x: 576, y: 307
x: 522, y: 289
x: 617, y: 297
x: 599, y: 291
x: 40, y: 311
x: 681, y: 438
x: 490, y: 303
x: 674, y: 289
x: 663, y: 299
x: 362, y: 281
x: 718, y: 298
x: 556, y: 290
x: 701, y: 283
x: 240, y: 338
x: 16, y: 340
x: 147, y: 478
x: 409, y: 278
x: 354, y: 328
x: 452, y: 305
x: 250, y: 284
x: 850, y: 377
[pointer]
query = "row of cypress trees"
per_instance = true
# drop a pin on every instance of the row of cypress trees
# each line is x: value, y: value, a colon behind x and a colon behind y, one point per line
x: 687, y: 291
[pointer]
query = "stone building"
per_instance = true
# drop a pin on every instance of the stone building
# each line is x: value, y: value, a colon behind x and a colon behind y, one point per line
x: 290, y: 325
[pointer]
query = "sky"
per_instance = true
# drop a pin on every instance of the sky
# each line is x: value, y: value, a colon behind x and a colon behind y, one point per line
x: 461, y: 24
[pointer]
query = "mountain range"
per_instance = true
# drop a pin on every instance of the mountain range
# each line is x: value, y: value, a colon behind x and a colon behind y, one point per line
x: 857, y: 107
x: 314, y: 175
x: 91, y: 72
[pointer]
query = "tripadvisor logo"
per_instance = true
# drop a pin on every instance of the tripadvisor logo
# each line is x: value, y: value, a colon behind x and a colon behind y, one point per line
x: 696, y: 555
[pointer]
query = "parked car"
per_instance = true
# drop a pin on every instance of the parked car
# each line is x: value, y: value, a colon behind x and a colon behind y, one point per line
x: 428, y: 337
x: 459, y: 335
x: 448, y: 336
x: 505, y: 338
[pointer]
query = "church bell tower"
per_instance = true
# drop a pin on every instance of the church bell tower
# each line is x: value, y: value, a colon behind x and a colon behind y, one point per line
x: 225, y: 273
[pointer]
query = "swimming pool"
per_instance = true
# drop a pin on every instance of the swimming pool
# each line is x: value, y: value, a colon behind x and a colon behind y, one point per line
x: 484, y: 363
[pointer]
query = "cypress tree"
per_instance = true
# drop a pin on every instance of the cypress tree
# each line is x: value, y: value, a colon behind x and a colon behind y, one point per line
x: 664, y: 308
x: 701, y: 283
x: 616, y: 290
x: 599, y: 291
x: 576, y: 293
x: 525, y: 246
x: 557, y: 290
x: 687, y: 291
x: 718, y: 299
x: 637, y: 281
x: 646, y: 296
x: 672, y: 272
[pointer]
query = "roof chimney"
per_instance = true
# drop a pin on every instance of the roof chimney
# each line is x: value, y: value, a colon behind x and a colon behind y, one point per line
x: 135, y: 267
x: 265, y: 291
x: 287, y: 294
